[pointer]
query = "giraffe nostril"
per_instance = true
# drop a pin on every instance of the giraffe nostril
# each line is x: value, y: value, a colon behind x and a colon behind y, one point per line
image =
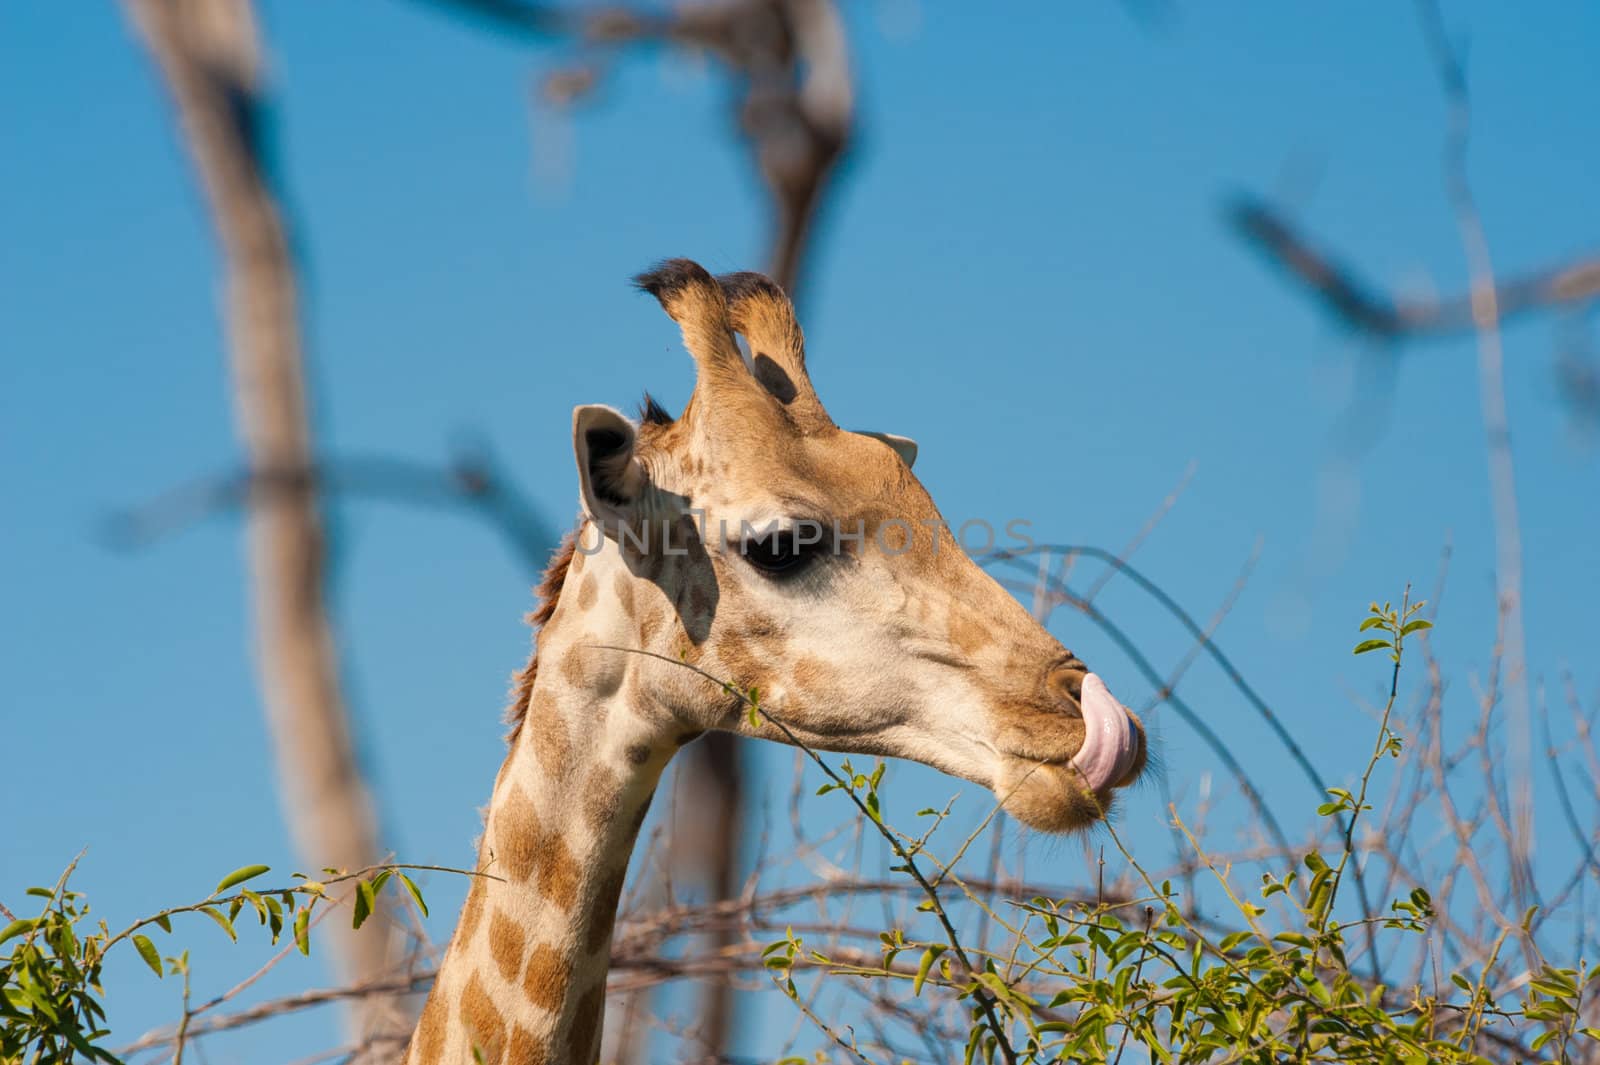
x: 1066, y: 684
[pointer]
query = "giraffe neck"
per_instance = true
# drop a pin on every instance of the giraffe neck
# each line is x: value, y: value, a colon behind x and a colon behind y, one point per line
x: 523, y: 981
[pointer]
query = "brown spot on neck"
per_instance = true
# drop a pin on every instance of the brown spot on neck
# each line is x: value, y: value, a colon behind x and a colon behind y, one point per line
x: 552, y: 745
x: 485, y: 1027
x: 427, y: 1043
x: 527, y: 1048
x: 558, y: 872
x: 471, y: 913
x: 549, y: 972
x: 517, y: 835
x: 602, y: 795
x: 506, y: 941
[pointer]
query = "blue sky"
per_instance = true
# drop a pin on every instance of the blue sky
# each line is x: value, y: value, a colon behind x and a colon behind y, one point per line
x: 1025, y: 268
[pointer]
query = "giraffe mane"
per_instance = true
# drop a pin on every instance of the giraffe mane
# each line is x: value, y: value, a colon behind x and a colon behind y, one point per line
x: 653, y: 413
x: 548, y: 593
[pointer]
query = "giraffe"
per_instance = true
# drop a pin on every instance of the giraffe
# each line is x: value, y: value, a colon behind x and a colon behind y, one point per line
x: 790, y: 557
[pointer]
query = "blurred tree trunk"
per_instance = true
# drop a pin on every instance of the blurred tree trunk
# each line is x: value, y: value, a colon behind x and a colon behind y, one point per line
x: 209, y: 53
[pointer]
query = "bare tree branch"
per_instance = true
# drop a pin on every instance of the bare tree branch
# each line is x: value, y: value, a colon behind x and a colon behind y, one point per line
x: 1487, y: 315
x: 209, y: 53
x: 1358, y: 303
x: 795, y: 102
x: 471, y: 481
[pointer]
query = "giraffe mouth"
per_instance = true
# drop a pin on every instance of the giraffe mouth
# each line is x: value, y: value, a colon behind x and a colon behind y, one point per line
x: 1064, y: 794
x: 1110, y: 740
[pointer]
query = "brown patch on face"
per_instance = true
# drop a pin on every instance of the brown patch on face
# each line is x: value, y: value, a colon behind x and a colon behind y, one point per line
x: 601, y: 794
x: 623, y: 586
x: 517, y: 835
x: 427, y: 1043
x: 650, y: 624
x: 814, y: 675
x: 748, y: 662
x: 768, y: 641
x: 526, y: 1048
x: 967, y: 631
x: 485, y: 1027
x: 505, y: 944
x: 587, y: 593
x: 604, y: 915
x: 548, y: 975
x: 558, y: 872
x: 471, y: 913
x: 551, y: 745
x: 583, y: 1043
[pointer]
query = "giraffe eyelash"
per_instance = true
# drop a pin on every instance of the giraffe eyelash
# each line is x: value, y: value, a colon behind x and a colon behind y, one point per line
x: 783, y: 550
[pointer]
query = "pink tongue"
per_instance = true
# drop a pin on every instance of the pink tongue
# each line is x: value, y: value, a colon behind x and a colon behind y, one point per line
x: 1108, y: 747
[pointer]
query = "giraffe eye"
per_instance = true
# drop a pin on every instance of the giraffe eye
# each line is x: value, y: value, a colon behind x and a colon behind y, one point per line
x: 782, y: 553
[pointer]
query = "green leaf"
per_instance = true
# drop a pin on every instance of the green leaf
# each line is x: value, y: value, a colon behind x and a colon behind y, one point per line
x: 1370, y: 622
x: 18, y: 927
x: 302, y: 931
x: 147, y: 951
x: 239, y: 876
x: 366, y: 902
x: 416, y: 895
x: 165, y: 922
x: 1548, y: 987
x: 274, y: 915
x: 222, y: 922
x: 1371, y: 645
x: 929, y: 956
x: 1416, y: 626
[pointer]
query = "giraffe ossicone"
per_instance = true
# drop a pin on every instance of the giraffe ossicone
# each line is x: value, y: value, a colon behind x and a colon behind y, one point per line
x: 746, y: 539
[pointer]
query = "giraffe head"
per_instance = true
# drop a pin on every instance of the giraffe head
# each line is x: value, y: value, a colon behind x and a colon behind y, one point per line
x: 773, y: 550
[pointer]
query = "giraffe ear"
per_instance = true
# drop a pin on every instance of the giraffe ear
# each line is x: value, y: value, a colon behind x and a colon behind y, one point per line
x: 611, y: 480
x: 903, y: 446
